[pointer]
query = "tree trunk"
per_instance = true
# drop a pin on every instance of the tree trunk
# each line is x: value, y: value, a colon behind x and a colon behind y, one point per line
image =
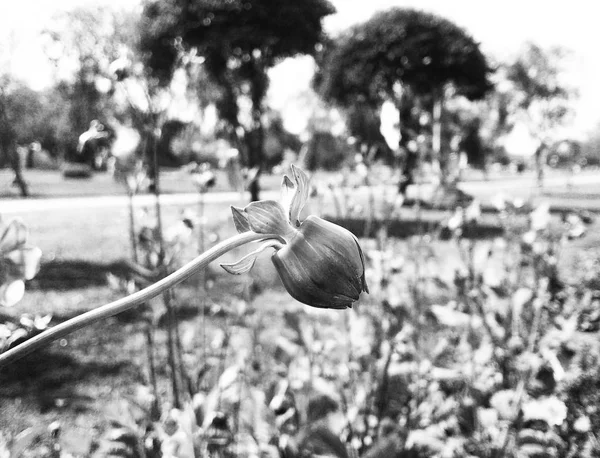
x: 407, y: 132
x: 540, y: 160
x: 8, y: 147
x: 255, y: 156
x: 438, y: 160
x: 16, y: 165
x: 256, y: 139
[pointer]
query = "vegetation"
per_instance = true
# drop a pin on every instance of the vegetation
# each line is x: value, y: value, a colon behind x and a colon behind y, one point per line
x: 478, y: 335
x: 414, y: 60
x: 239, y: 42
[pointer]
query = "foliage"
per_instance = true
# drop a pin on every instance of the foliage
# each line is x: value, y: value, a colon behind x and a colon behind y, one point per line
x: 412, y: 60
x: 82, y: 44
x: 405, y: 46
x: 239, y: 42
x: 532, y: 90
x: 19, y: 261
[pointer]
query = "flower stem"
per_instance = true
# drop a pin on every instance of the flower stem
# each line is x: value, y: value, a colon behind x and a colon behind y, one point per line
x: 128, y: 302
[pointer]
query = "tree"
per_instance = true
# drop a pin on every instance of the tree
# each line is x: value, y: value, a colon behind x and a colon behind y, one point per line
x: 8, y: 136
x: 240, y: 41
x: 82, y: 43
x: 412, y: 58
x: 364, y: 124
x: 539, y: 97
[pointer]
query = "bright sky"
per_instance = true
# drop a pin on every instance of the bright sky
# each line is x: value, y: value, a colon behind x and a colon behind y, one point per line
x: 500, y: 26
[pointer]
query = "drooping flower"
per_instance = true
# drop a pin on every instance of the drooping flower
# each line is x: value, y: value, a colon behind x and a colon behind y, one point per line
x: 320, y: 263
x: 19, y: 261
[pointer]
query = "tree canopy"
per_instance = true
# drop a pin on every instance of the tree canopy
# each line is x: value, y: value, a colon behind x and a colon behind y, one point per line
x: 405, y: 46
x: 239, y: 41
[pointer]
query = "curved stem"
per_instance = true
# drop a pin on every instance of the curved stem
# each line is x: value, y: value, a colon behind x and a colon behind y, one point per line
x: 130, y: 301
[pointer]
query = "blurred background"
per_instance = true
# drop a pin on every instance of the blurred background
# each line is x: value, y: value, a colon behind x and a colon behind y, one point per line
x: 536, y: 96
x: 459, y: 141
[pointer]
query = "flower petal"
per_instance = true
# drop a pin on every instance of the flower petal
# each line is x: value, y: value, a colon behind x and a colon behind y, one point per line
x: 300, y: 196
x: 300, y: 287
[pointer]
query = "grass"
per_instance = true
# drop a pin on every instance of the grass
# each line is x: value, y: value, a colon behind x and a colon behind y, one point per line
x: 52, y: 183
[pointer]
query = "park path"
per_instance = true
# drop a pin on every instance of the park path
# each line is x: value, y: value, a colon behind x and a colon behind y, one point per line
x: 142, y: 200
x: 518, y: 186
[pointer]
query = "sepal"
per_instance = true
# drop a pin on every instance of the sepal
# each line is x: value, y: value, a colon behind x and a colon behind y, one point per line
x: 300, y: 196
x: 267, y: 217
x: 240, y: 220
x: 247, y: 262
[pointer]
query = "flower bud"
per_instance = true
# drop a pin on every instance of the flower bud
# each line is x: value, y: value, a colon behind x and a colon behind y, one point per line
x: 322, y: 265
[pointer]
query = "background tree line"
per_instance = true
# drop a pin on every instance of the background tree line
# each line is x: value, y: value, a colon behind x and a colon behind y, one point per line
x: 448, y: 96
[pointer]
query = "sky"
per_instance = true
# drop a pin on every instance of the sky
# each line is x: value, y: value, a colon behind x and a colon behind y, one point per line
x: 502, y: 27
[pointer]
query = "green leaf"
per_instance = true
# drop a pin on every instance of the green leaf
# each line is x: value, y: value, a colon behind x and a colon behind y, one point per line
x: 301, y: 195
x: 268, y: 217
x: 240, y: 220
x: 240, y: 267
x: 247, y: 262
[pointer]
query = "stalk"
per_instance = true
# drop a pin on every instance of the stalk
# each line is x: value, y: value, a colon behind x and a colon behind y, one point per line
x: 173, y: 358
x: 132, y: 236
x: 128, y: 302
x: 155, y: 412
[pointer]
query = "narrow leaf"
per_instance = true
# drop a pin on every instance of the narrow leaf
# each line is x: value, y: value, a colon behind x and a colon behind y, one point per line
x: 267, y: 217
x: 247, y: 262
x: 300, y: 196
x: 240, y: 220
x: 240, y: 267
x: 288, y: 191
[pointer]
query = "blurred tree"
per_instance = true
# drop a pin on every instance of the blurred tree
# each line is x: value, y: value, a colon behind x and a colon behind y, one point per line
x: 278, y: 139
x: 239, y: 41
x: 591, y: 148
x: 404, y: 56
x: 540, y: 97
x: 82, y: 43
x: 8, y: 135
x: 364, y: 124
x: 37, y: 115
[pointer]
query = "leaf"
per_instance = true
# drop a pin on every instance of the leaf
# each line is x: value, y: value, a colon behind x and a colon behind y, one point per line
x: 288, y: 191
x: 549, y: 408
x: 240, y: 220
x: 42, y: 322
x: 267, y: 217
x: 301, y: 195
x: 11, y: 293
x: 520, y: 298
x: 448, y: 317
x: 14, y: 236
x: 444, y: 374
x: 247, y: 262
x: 240, y: 267
x: 26, y: 260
